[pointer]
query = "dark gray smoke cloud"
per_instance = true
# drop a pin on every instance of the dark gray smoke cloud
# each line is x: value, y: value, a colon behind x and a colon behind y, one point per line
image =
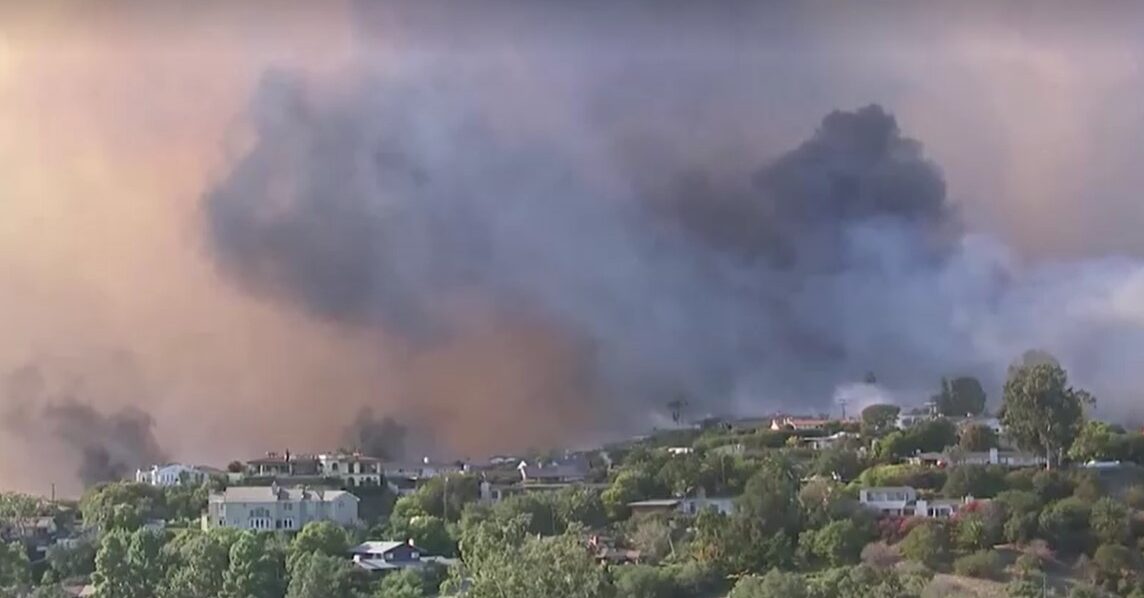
x: 764, y: 281
x: 105, y: 445
x: 380, y: 206
x: 382, y: 437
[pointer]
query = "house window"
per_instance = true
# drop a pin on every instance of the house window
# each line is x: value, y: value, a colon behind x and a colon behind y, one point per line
x: 414, y: 555
x: 288, y: 523
x: 334, y: 467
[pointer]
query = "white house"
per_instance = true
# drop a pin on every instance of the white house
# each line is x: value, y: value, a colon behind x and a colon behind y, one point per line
x: 904, y: 501
x: 172, y: 474
x: 691, y: 505
x: 276, y: 508
x: 564, y: 472
x: 417, y: 470
x: 831, y: 441
x: 354, y: 469
x: 1013, y: 459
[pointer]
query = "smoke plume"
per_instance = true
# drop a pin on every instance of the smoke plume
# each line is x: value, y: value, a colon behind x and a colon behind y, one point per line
x: 511, y: 225
x: 105, y: 446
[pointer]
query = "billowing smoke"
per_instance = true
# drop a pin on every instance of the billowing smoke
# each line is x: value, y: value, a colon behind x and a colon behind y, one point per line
x: 398, y: 207
x: 508, y: 224
x: 383, y: 437
x: 104, y: 445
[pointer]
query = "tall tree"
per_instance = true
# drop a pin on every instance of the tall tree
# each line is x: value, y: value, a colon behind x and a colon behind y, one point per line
x: 255, y: 570
x: 145, y: 563
x: 977, y: 438
x: 1041, y: 412
x: 197, y: 569
x: 1095, y: 441
x: 762, y: 532
x: 15, y: 571
x: 879, y: 419
x: 112, y: 577
x: 317, y: 575
x: 501, y: 559
x: 961, y: 396
x: 323, y: 537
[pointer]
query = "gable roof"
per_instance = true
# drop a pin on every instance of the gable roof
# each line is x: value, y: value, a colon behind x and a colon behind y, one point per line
x: 380, y: 547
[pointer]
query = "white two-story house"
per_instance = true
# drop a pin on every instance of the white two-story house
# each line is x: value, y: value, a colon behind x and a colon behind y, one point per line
x: 277, y: 508
x: 354, y: 469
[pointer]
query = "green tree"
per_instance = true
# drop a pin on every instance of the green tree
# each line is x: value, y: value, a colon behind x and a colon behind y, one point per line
x: 112, y: 577
x: 1110, y: 521
x: 775, y: 584
x: 146, y: 566
x: 762, y: 531
x: 15, y: 570
x: 977, y: 481
x: 322, y: 537
x: 1065, y: 524
x: 977, y: 438
x: 960, y: 397
x: 501, y: 559
x: 926, y: 544
x: 845, y: 463
x: 972, y: 532
x: 255, y: 570
x: 429, y: 533
x: 880, y: 419
x: 839, y: 543
x: 1041, y: 412
x: 628, y: 486
x: 318, y: 575
x: 643, y: 581
x: 401, y: 584
x: 1096, y: 441
x: 75, y: 560
x: 1112, y: 564
x: 446, y: 496
x: 197, y: 569
x: 121, y: 505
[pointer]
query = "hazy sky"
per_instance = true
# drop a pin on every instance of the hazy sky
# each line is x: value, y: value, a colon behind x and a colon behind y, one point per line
x: 116, y: 121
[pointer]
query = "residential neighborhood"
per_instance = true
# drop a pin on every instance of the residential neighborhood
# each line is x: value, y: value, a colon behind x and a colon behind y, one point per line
x: 849, y: 494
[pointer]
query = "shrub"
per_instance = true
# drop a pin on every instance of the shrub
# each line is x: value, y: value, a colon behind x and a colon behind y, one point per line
x: 926, y: 544
x: 1112, y: 563
x: 1109, y: 520
x: 1065, y: 524
x: 775, y: 584
x: 1028, y: 563
x: 880, y: 555
x: 985, y: 564
x: 1052, y: 485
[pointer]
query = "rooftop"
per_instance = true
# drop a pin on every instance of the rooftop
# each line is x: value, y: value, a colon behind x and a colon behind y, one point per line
x: 666, y: 502
x: 272, y: 493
